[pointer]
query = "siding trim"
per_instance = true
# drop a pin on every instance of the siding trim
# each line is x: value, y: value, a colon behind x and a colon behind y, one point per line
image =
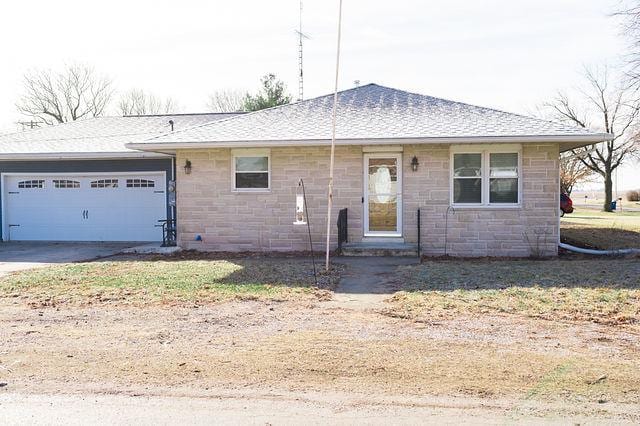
x: 80, y: 156
x: 575, y: 139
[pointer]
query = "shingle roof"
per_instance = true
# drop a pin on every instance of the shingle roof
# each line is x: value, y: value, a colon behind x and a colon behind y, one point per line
x: 97, y: 136
x: 368, y: 112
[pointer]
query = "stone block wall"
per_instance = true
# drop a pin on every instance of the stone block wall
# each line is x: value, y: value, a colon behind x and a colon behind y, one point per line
x: 263, y: 221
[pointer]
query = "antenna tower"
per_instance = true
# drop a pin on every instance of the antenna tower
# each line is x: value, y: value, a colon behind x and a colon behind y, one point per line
x: 301, y: 37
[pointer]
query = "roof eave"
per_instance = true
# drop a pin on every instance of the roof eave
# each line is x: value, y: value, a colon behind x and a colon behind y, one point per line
x: 578, y: 140
x: 80, y: 156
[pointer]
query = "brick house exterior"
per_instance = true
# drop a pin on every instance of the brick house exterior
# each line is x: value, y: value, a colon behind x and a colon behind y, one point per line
x: 486, y: 182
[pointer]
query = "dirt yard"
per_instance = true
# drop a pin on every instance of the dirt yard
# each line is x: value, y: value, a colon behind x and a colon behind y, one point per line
x: 515, y: 365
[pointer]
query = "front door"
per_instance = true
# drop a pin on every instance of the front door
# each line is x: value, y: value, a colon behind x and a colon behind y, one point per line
x: 383, y: 195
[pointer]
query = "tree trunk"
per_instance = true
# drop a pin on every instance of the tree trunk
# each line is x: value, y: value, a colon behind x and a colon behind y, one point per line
x: 608, y: 190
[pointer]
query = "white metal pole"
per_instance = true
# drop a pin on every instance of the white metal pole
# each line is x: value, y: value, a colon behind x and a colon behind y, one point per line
x: 333, y: 140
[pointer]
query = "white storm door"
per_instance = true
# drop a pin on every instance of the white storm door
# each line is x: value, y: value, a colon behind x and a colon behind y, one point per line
x: 383, y: 194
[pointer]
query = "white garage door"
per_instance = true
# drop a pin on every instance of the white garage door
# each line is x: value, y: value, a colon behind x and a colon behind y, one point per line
x: 118, y: 207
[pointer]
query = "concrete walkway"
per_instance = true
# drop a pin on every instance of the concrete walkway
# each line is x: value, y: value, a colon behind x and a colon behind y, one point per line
x: 368, y: 281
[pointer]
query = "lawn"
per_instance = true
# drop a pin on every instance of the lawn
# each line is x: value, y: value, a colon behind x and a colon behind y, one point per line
x: 561, y: 331
x: 592, y: 228
x: 597, y: 290
x: 182, y: 278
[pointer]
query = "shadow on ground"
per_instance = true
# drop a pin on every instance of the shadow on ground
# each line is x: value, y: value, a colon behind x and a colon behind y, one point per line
x: 499, y: 274
x: 600, y: 238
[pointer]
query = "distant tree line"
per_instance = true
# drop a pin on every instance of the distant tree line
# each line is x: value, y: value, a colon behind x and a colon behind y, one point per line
x: 78, y: 92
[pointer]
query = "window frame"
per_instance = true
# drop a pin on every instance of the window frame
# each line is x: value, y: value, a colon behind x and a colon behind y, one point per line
x: 64, y: 183
x: 139, y: 183
x: 485, y: 152
x: 29, y: 184
x: 240, y: 153
x: 113, y: 183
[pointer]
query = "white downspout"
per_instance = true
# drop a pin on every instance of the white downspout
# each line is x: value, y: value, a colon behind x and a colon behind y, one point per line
x: 618, y: 252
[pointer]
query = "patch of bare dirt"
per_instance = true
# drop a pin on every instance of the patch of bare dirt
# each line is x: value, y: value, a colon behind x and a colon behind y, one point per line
x: 314, y: 347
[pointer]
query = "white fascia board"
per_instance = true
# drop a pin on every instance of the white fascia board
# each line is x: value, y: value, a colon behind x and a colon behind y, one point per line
x: 80, y: 156
x: 587, y: 139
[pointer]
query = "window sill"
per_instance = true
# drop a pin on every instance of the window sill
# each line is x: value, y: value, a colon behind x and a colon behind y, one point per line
x: 251, y: 191
x: 486, y: 207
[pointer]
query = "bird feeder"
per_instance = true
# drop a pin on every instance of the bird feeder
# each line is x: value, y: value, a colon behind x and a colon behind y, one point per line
x: 300, y: 217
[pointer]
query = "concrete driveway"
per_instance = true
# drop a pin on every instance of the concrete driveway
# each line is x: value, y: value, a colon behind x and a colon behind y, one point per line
x: 16, y: 256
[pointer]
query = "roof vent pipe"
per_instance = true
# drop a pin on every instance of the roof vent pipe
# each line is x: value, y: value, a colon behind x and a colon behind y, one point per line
x: 171, y: 124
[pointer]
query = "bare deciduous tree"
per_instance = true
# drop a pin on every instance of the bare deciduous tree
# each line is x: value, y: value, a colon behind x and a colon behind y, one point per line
x: 139, y: 102
x: 629, y: 12
x: 572, y: 172
x: 616, y: 109
x: 58, y: 97
x: 226, y: 101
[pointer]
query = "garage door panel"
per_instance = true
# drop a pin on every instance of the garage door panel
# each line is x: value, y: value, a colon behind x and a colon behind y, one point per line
x: 85, y: 208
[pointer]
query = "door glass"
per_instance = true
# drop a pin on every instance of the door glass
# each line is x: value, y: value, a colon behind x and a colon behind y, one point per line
x: 382, y: 194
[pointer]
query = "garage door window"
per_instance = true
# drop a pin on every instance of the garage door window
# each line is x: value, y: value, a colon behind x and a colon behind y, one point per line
x: 104, y: 183
x: 140, y: 183
x: 65, y: 184
x: 31, y: 184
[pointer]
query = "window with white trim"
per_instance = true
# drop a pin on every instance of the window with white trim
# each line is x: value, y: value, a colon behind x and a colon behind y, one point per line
x: 467, y: 178
x: 503, y: 177
x: 31, y: 184
x: 65, y: 184
x: 251, y: 171
x: 489, y: 177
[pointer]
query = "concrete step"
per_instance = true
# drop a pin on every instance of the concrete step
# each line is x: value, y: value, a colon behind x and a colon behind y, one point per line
x: 379, y: 249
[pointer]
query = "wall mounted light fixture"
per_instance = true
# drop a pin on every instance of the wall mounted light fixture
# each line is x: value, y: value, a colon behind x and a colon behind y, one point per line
x: 187, y: 167
x: 414, y: 163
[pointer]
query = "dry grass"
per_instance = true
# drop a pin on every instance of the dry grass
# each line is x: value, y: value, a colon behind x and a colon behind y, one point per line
x: 596, y: 305
x: 597, y: 290
x: 317, y: 359
x: 167, y: 279
x: 418, y: 366
x: 236, y: 345
x: 452, y: 338
x: 591, y: 228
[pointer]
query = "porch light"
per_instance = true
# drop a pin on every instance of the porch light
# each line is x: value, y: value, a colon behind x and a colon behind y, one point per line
x: 187, y: 167
x: 414, y: 163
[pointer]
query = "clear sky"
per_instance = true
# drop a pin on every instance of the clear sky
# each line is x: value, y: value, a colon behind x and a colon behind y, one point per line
x: 506, y: 54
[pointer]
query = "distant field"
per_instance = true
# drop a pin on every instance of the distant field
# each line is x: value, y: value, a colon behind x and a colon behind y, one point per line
x: 592, y: 228
x: 596, y: 200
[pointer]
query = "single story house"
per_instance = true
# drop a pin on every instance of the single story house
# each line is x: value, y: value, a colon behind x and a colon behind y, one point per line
x: 79, y: 182
x: 485, y: 181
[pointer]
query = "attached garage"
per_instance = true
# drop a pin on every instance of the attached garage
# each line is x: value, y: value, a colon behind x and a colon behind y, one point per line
x: 79, y: 182
x: 81, y: 207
